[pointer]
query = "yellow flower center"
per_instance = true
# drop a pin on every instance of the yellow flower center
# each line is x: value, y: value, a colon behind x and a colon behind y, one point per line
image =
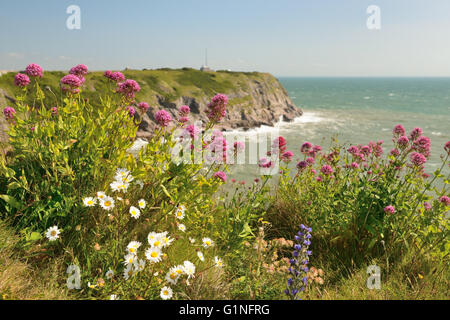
x: 208, y: 243
x: 53, y: 233
x: 173, y: 276
x: 179, y: 271
x: 154, y: 254
x: 132, y: 250
x: 90, y: 202
x: 166, y: 293
x: 107, y: 203
x: 156, y: 243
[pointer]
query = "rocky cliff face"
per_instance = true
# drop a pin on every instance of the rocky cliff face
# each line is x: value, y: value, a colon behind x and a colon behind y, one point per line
x: 255, y: 99
x: 262, y: 101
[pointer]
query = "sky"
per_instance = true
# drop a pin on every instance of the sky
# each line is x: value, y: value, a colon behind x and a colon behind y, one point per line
x: 284, y: 37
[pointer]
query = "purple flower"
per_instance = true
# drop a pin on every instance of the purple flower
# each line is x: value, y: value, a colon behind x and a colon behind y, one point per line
x: 353, y: 150
x: 71, y: 83
x: 217, y: 108
x: 422, y: 144
x: 287, y: 156
x: 403, y: 142
x: 306, y: 147
x: 415, y: 133
x: 163, y: 118
x: 302, y: 165
x: 445, y: 200
x: 79, y: 70
x: 131, y: 111
x: 399, y: 130
x: 326, y: 170
x: 418, y: 159
x: 354, y: 165
x: 128, y: 88
x: 9, y: 113
x: 21, y: 80
x: 395, y: 152
x: 114, y: 76
x: 143, y: 106
x: 389, y: 209
x: 184, y: 111
x: 54, y: 111
x: 34, y: 70
x: 221, y: 175
x: 183, y: 119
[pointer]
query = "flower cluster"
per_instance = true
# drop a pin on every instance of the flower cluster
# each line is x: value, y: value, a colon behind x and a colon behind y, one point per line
x: 21, y: 80
x: 34, y: 70
x: 128, y: 89
x: 71, y: 83
x: 114, y: 76
x: 9, y: 113
x: 163, y: 118
x: 217, y: 108
x: 299, y: 263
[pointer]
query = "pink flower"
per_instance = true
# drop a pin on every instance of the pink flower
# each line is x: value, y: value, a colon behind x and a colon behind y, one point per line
x: 265, y: 163
x: 21, y: 80
x: 355, y: 165
x: 108, y: 74
x: 422, y: 144
x: 79, y: 70
x: 71, y: 83
x: 445, y: 200
x: 217, y: 108
x: 366, y: 150
x: 415, y: 133
x: 302, y: 165
x: 353, y: 150
x: 114, y: 76
x: 326, y: 170
x: 9, y: 113
x: 447, y: 147
x: 184, y: 111
x: 163, y: 118
x: 403, y: 142
x: 389, y: 210
x: 279, y: 144
x: 143, y: 106
x: 427, y: 206
x: 34, y: 70
x: 310, y: 161
x: 418, y: 159
x: 399, y: 130
x: 306, y: 147
x: 131, y: 111
x: 193, y: 131
x: 395, y: 152
x: 239, y: 146
x: 128, y: 88
x: 287, y: 156
x: 221, y: 175
x: 54, y: 111
x: 319, y: 178
x: 183, y: 119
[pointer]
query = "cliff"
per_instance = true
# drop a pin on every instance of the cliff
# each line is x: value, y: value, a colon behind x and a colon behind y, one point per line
x: 255, y: 99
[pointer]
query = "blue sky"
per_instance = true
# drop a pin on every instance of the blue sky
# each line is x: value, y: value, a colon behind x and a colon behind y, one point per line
x: 283, y: 37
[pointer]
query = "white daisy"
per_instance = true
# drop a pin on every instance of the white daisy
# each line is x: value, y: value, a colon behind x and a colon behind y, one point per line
x: 179, y: 212
x: 139, y: 264
x: 142, y: 204
x: 218, y: 262
x: 189, y: 269
x: 119, y: 186
x: 133, y: 246
x: 110, y: 274
x: 91, y: 286
x: 101, y: 195
x: 135, y: 212
x: 151, y: 237
x: 126, y: 179
x: 166, y: 241
x: 172, y: 276
x: 153, y: 254
x: 129, y: 259
x: 121, y: 172
x: 89, y: 202
x: 207, y: 242
x: 191, y: 240
x: 128, y: 272
x: 52, y: 233
x: 107, y: 203
x: 182, y: 227
x: 179, y: 269
x: 166, y: 293
x: 201, y: 256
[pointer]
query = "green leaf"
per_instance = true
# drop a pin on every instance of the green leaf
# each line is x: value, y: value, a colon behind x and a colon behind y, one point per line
x: 11, y: 201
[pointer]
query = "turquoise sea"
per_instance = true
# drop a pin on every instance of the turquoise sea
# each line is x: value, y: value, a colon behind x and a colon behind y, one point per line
x: 359, y: 110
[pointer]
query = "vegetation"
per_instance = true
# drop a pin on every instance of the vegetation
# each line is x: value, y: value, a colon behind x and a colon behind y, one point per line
x: 94, y: 220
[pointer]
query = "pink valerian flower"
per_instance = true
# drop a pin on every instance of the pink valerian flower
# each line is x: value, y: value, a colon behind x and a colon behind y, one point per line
x: 353, y: 150
x: 447, y: 147
x: 184, y: 111
x: 415, y: 133
x: 418, y: 159
x: 128, y: 88
x: 221, y: 175
x: 217, y: 108
x: 79, y: 70
x: 54, y: 111
x: 422, y: 145
x: 287, y: 156
x: 71, y: 83
x: 398, y: 131
x: 265, y: 163
x: 193, y: 131
x: 366, y: 150
x: 354, y: 165
x: 183, y: 119
x: 314, y: 151
x: 427, y: 206
x: 306, y: 147
x: 21, y: 80
x: 319, y: 178
x: 256, y: 180
x: 445, y: 200
x: 131, y: 111
x: 107, y: 74
x: 326, y: 170
x: 9, y: 113
x: 389, y: 210
x: 239, y: 146
x: 377, y: 149
x: 114, y: 76
x: 163, y: 118
x: 279, y: 145
x: 310, y: 161
x: 395, y: 152
x: 34, y: 70
x: 403, y: 142
x: 302, y: 165
x: 143, y: 106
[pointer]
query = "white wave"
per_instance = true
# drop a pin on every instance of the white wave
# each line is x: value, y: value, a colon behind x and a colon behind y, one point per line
x: 434, y: 133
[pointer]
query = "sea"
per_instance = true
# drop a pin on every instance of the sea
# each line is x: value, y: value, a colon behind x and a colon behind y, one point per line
x: 359, y: 110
